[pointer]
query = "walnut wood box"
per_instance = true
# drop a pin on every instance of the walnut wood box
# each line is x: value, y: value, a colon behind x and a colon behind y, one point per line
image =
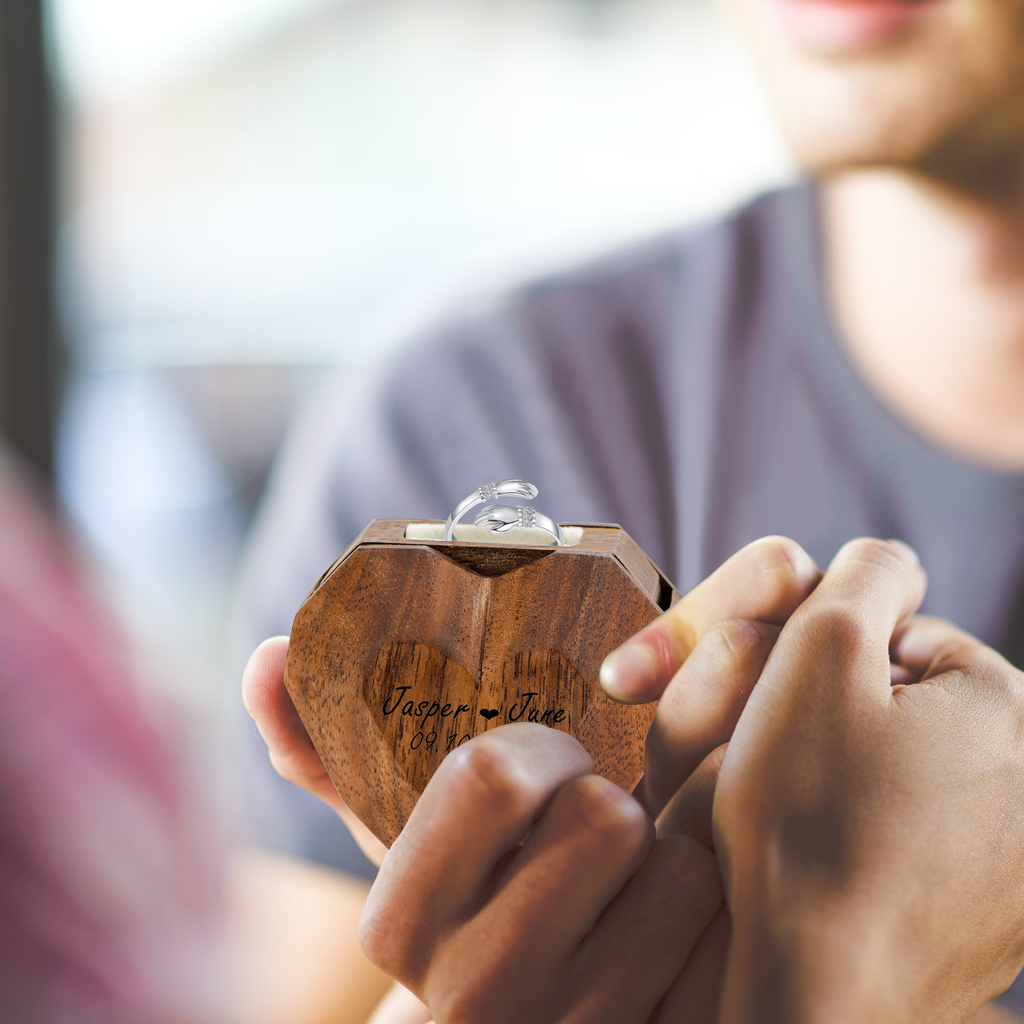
x: 405, y: 649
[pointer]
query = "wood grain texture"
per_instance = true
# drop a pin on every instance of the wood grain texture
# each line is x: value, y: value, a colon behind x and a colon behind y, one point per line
x: 405, y: 649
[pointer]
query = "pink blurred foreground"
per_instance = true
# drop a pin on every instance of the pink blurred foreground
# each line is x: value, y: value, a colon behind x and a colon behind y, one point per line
x: 108, y: 873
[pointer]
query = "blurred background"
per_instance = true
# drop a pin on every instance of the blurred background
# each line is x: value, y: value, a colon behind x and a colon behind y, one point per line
x: 249, y: 191
x: 205, y: 205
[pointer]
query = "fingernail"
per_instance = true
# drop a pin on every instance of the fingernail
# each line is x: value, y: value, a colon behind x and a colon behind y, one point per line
x: 629, y: 671
x: 911, y: 555
x: 805, y: 569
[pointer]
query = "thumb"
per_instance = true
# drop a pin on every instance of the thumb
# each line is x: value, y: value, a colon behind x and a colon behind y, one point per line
x: 932, y: 650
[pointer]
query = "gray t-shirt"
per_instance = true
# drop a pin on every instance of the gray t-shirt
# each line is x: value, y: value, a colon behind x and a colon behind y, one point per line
x: 691, y: 388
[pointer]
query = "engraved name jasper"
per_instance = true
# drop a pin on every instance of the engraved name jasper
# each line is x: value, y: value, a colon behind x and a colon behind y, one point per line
x: 406, y: 649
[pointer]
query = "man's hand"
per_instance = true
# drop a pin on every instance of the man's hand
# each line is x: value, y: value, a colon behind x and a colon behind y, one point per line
x: 731, y: 619
x: 871, y: 833
x: 524, y: 887
x: 589, y: 918
x: 702, y: 657
x: 291, y: 750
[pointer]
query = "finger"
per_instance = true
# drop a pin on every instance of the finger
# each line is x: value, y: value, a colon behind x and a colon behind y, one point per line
x: 264, y: 695
x: 702, y: 704
x: 932, y: 650
x: 400, y: 1006
x: 654, y: 926
x: 847, y: 625
x: 291, y: 751
x: 765, y: 581
x: 590, y: 840
x: 689, y: 812
x: 926, y: 644
x: 696, y: 993
x: 476, y: 808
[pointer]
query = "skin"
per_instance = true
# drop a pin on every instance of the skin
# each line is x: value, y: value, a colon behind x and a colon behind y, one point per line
x: 940, y: 101
x: 772, y: 577
x: 866, y: 811
x: 869, y: 832
x: 287, y: 918
x: 919, y: 146
x: 598, y: 861
x: 594, y: 918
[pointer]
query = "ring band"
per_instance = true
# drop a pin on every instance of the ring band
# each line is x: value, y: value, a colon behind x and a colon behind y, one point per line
x: 488, y: 492
x: 502, y: 518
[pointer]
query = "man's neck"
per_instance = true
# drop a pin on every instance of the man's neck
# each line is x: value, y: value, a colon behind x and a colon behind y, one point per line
x: 927, y: 286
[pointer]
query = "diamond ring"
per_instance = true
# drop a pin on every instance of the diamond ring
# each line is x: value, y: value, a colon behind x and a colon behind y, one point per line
x: 502, y: 518
x: 488, y: 492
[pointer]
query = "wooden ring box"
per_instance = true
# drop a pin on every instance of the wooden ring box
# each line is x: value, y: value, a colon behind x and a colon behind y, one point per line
x: 407, y: 647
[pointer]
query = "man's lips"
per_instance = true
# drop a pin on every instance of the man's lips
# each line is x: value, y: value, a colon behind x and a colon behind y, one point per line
x: 844, y: 26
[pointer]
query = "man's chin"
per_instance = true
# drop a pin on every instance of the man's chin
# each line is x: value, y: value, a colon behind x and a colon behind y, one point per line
x: 916, y: 137
x: 821, y: 158
x: 957, y: 159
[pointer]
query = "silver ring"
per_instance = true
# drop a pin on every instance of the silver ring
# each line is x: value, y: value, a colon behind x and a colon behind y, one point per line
x: 488, y: 492
x: 502, y: 518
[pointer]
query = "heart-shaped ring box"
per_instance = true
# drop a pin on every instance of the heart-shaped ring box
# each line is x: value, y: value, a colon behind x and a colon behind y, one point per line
x: 409, y: 645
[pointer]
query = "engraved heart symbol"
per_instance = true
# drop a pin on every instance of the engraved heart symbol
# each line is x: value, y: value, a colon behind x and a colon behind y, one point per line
x: 403, y: 644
